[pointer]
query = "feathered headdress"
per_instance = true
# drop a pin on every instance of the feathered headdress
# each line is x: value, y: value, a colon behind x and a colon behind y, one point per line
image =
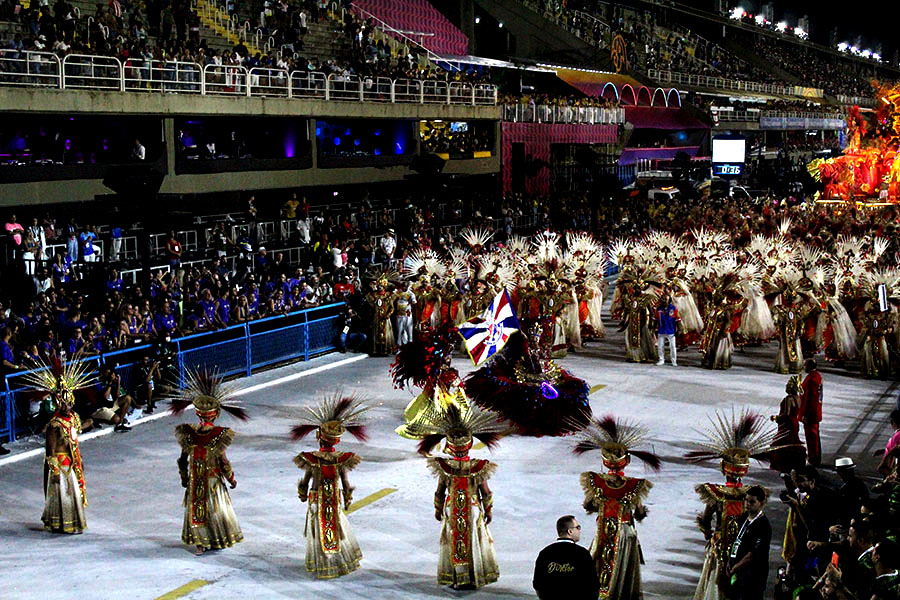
x: 335, y: 415
x: 476, y: 238
x: 208, y: 392
x: 424, y: 359
x: 459, y: 426
x: 616, y: 439
x: 423, y: 262
x: 734, y: 439
x: 60, y: 379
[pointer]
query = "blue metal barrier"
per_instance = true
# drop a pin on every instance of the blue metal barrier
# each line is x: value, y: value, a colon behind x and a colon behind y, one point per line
x: 236, y: 350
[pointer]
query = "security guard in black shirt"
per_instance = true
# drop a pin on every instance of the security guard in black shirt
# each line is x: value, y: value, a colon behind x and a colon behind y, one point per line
x: 564, y: 569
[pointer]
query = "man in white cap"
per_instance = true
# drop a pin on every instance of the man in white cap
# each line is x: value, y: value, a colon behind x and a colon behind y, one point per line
x: 852, y: 492
x: 388, y: 245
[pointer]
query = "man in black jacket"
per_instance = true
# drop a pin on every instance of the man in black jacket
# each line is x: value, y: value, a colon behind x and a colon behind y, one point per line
x: 564, y: 569
x: 748, y: 560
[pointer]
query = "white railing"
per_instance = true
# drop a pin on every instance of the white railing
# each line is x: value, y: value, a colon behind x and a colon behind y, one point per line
x: 163, y: 76
x: 723, y: 83
x: 856, y: 100
x: 105, y: 73
x: 587, y: 115
x: 38, y: 69
x: 754, y: 115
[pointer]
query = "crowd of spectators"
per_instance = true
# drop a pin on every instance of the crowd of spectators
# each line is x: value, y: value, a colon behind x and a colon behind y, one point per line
x: 815, y: 69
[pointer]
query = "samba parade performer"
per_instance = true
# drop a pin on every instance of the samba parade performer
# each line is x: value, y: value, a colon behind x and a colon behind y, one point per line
x: 731, y: 286
x: 734, y: 440
x: 209, y: 519
x: 425, y: 362
x: 331, y: 547
x: 789, y: 318
x: 381, y: 303
x: 463, y: 502
x: 787, y: 451
x: 65, y: 495
x: 878, y: 321
x: 618, y: 502
x: 522, y: 383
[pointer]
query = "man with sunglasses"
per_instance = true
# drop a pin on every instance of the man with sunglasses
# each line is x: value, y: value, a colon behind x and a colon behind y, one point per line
x: 564, y: 569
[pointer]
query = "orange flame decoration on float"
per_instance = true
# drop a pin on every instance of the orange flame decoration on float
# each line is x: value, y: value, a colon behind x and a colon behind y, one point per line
x: 869, y: 168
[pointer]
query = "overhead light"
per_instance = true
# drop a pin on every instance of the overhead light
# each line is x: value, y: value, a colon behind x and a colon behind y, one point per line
x: 500, y: 24
x: 781, y: 26
x: 760, y: 19
x: 737, y: 13
x: 843, y: 46
x: 477, y: 20
x: 876, y: 56
x: 799, y: 32
x: 865, y: 53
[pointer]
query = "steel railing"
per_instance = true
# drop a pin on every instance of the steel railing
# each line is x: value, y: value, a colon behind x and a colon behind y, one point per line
x: 588, y: 115
x: 106, y: 73
x: 724, y: 83
x: 236, y: 350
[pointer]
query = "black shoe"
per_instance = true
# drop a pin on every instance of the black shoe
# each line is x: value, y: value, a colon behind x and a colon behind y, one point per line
x: 122, y: 427
x: 148, y: 410
x: 4, y: 450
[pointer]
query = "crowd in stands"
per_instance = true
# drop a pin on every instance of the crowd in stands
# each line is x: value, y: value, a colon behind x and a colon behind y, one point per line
x: 556, y: 100
x: 815, y: 69
x: 781, y: 106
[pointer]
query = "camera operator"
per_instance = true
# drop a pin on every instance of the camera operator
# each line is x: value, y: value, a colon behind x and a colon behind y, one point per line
x: 145, y: 372
x: 112, y: 403
x: 351, y: 335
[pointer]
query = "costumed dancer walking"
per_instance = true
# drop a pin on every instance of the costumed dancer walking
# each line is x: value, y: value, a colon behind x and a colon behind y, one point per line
x: 65, y: 494
x: 730, y: 284
x: 425, y: 362
x: 733, y: 439
x: 787, y: 452
x: 585, y: 265
x: 789, y: 316
x: 463, y: 502
x: 877, y: 322
x: 331, y: 547
x: 404, y: 302
x: 209, y: 519
x: 381, y: 303
x: 525, y: 386
x: 618, y: 502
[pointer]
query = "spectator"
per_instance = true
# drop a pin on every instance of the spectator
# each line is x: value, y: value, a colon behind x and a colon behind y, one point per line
x: 144, y: 375
x: 112, y: 402
x: 564, y: 569
x: 7, y: 356
x: 889, y: 458
x: 138, y: 153
x: 351, y: 336
x: 853, y: 493
x: 173, y: 251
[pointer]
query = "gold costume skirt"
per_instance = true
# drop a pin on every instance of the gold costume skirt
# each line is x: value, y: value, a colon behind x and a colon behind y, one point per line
x: 708, y: 588
x: 63, y: 506
x: 481, y: 567
x: 626, y: 574
x: 221, y: 529
x: 331, y: 564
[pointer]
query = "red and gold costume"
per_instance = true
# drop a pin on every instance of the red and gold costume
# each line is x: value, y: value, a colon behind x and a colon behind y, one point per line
x: 734, y: 440
x: 65, y: 495
x: 331, y: 546
x: 209, y: 519
x: 618, y: 502
x: 463, y: 501
x: 381, y: 302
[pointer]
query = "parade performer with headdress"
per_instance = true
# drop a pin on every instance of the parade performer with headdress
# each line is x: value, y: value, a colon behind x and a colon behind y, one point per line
x: 381, y: 303
x: 65, y: 495
x: 734, y: 440
x: 331, y: 547
x: 425, y: 363
x: 639, y: 300
x: 716, y: 345
x: 789, y: 318
x: 787, y: 452
x: 618, y: 501
x: 209, y: 519
x: 877, y: 324
x: 527, y: 387
x: 463, y: 502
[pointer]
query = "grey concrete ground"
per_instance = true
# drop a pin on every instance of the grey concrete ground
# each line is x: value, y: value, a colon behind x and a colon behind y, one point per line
x: 132, y: 547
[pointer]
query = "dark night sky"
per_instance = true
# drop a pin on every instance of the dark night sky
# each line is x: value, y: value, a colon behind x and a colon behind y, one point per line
x: 877, y: 20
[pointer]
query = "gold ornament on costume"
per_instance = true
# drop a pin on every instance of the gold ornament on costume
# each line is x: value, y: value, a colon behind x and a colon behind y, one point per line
x: 734, y: 439
x: 61, y: 379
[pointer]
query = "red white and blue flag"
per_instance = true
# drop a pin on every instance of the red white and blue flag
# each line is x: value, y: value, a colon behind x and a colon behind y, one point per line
x: 487, y: 334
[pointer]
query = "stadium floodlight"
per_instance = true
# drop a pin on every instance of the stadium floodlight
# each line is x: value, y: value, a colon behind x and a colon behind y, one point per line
x: 500, y: 24
x: 781, y: 26
x: 799, y: 32
x: 843, y: 46
x: 866, y: 53
x: 737, y: 13
x: 477, y: 20
x: 760, y: 19
x: 876, y: 56
x: 854, y: 49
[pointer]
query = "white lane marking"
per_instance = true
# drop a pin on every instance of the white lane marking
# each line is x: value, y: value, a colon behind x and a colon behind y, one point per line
x: 14, y: 458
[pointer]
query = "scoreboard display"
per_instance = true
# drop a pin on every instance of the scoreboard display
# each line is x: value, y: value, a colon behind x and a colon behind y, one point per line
x: 729, y: 153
